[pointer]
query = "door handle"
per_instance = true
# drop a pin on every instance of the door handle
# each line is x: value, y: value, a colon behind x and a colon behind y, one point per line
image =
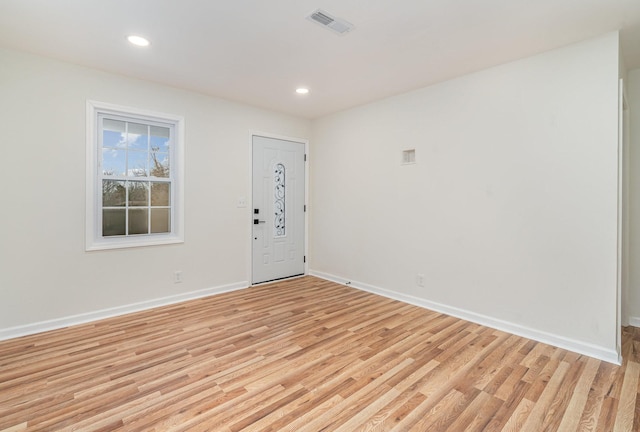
x: 256, y: 221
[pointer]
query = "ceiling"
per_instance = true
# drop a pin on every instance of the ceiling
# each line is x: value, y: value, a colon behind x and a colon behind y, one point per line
x: 257, y: 52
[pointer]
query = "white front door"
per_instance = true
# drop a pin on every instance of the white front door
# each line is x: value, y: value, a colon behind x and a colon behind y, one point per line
x: 278, y: 209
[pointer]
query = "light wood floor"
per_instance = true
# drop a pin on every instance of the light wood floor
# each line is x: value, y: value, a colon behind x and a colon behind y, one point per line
x: 307, y: 355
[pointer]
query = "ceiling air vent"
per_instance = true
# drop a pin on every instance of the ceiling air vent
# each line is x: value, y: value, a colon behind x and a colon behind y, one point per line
x: 330, y: 22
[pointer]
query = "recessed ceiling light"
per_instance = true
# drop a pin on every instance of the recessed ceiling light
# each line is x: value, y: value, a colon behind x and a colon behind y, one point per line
x: 138, y: 40
x: 302, y: 90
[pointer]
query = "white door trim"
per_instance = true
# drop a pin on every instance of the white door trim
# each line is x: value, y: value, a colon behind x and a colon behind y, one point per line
x: 249, y: 217
x: 622, y: 318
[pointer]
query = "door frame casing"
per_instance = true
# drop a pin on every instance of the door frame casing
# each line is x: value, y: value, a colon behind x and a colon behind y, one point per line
x: 249, y: 215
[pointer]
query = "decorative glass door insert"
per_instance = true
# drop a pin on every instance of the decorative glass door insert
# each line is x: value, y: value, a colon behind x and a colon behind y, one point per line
x: 279, y: 206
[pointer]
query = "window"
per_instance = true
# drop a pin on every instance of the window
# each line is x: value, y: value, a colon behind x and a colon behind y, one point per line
x: 134, y: 177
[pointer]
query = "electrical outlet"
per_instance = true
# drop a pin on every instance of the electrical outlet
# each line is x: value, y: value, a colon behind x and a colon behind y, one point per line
x: 420, y: 280
x: 177, y: 276
x: 242, y: 202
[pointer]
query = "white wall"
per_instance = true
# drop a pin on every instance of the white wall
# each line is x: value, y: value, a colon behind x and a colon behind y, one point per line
x: 633, y: 99
x: 45, y: 272
x: 511, y: 209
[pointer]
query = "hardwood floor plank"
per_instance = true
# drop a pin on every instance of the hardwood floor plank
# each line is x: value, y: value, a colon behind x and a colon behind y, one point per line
x: 307, y: 355
x: 571, y: 418
x: 608, y: 415
x: 535, y: 420
x: 368, y: 388
x: 519, y: 416
x: 484, y: 415
x: 407, y: 388
x: 628, y: 396
x: 464, y: 420
x: 636, y: 417
x: 16, y: 428
x: 490, y: 373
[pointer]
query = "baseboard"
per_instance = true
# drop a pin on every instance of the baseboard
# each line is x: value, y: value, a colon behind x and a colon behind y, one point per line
x: 634, y: 321
x: 39, y: 327
x: 595, y: 351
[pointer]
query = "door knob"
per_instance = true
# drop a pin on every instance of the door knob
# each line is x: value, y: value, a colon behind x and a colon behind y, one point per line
x: 256, y: 221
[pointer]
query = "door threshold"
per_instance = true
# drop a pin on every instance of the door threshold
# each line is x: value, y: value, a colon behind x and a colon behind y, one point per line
x: 278, y: 279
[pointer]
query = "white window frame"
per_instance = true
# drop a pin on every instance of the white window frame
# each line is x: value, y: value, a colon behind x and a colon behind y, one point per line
x: 93, y: 235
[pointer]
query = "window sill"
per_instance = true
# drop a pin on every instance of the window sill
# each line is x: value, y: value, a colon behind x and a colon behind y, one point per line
x: 121, y: 243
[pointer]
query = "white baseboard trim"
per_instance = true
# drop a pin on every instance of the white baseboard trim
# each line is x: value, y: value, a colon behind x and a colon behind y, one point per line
x: 634, y: 321
x: 595, y: 351
x: 58, y: 323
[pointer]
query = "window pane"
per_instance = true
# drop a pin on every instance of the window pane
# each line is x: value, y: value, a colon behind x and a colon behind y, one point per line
x: 113, y: 162
x: 160, y: 222
x: 138, y: 221
x: 138, y: 193
x: 112, y: 139
x: 113, y: 125
x: 138, y: 164
x: 138, y: 138
x: 114, y: 194
x: 113, y: 222
x: 160, y: 164
x: 160, y: 138
x: 160, y: 194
